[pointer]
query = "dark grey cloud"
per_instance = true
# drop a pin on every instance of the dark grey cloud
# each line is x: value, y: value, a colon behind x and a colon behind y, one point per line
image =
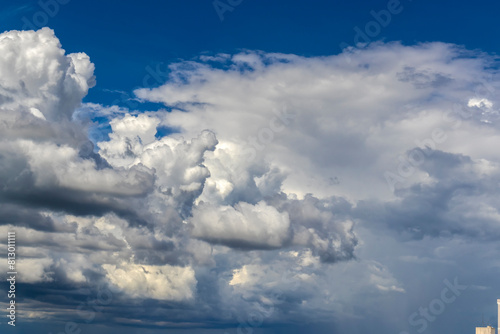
x: 453, y: 202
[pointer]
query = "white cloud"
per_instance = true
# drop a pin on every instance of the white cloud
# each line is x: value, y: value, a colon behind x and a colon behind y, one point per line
x: 332, y: 121
x: 37, y: 74
x: 243, y: 225
x: 35, y: 270
x: 59, y: 166
x: 129, y: 136
x: 157, y: 282
x: 480, y: 103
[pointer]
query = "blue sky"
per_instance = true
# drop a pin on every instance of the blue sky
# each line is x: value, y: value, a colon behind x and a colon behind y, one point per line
x: 124, y: 34
x: 225, y: 166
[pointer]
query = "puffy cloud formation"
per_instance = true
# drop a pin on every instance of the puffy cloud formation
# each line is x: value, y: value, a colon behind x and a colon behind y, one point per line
x: 45, y: 157
x: 323, y: 121
x: 157, y: 282
x: 244, y: 224
x: 39, y: 78
x: 293, y: 188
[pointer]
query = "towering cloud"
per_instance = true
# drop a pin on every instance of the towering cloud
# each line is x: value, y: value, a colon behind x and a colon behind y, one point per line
x: 293, y: 186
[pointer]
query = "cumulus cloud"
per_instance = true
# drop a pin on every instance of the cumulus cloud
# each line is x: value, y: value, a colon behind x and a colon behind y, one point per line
x: 157, y: 282
x: 320, y: 119
x: 285, y: 174
x: 242, y: 225
x: 39, y: 77
x: 40, y: 142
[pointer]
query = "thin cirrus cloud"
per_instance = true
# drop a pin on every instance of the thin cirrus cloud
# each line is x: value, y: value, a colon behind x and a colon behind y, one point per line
x: 282, y: 164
